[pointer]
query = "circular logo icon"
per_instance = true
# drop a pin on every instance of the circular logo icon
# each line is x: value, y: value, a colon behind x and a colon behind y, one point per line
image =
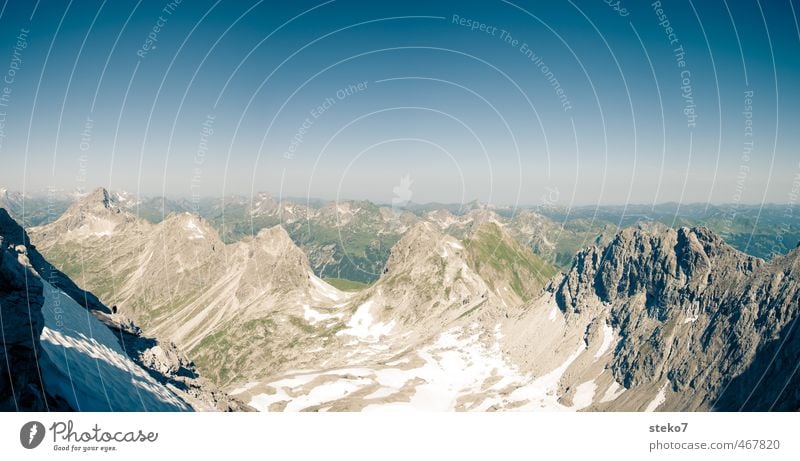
x: 31, y: 434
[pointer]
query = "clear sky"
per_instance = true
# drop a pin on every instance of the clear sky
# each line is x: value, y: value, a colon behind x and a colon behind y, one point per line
x: 578, y: 102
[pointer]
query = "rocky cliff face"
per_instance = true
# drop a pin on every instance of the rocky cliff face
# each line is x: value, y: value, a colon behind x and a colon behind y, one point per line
x: 15, y: 235
x: 701, y: 320
x: 21, y: 300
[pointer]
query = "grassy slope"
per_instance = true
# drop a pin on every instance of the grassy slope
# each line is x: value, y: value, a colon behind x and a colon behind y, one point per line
x: 346, y: 285
x: 495, y: 256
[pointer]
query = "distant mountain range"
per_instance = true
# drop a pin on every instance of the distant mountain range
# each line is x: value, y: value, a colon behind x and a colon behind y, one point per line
x: 462, y: 311
x: 351, y: 239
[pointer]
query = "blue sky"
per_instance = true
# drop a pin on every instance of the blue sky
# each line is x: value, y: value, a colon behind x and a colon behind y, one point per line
x: 506, y: 102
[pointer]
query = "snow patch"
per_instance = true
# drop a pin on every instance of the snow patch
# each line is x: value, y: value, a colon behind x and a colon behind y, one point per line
x: 452, y: 367
x: 325, y: 289
x: 661, y: 397
x: 392, y: 377
x: 361, y: 325
x: 399, y: 361
x: 608, y: 338
x: 554, y: 310
x: 244, y: 388
x: 454, y: 245
x: 381, y: 393
x: 584, y: 394
x: 313, y: 316
x: 542, y: 392
x: 293, y: 382
x: 327, y: 392
x: 613, y: 391
x: 195, y: 232
x: 95, y: 226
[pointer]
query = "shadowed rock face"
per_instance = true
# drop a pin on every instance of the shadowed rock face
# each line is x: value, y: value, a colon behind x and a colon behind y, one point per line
x: 15, y: 235
x: 718, y: 324
x: 21, y: 299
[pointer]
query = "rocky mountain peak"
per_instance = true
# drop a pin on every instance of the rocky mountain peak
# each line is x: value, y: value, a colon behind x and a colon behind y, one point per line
x: 274, y: 248
x: 482, y: 215
x: 97, y: 214
x: 272, y: 258
x: 422, y: 242
x: 187, y: 229
x: 10, y: 201
x: 654, y: 262
x: 462, y: 225
x: 344, y: 212
x: 186, y: 220
x: 426, y: 278
x: 98, y: 198
x: 263, y: 203
x: 442, y: 217
x: 275, y: 234
x: 525, y: 213
x: 690, y: 310
x: 419, y: 243
x: 492, y: 226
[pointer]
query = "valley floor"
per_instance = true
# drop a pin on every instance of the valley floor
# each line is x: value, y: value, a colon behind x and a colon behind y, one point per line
x: 462, y: 369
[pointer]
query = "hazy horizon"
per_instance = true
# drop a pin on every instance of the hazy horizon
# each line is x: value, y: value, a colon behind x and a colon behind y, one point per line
x: 63, y: 193
x: 499, y: 102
